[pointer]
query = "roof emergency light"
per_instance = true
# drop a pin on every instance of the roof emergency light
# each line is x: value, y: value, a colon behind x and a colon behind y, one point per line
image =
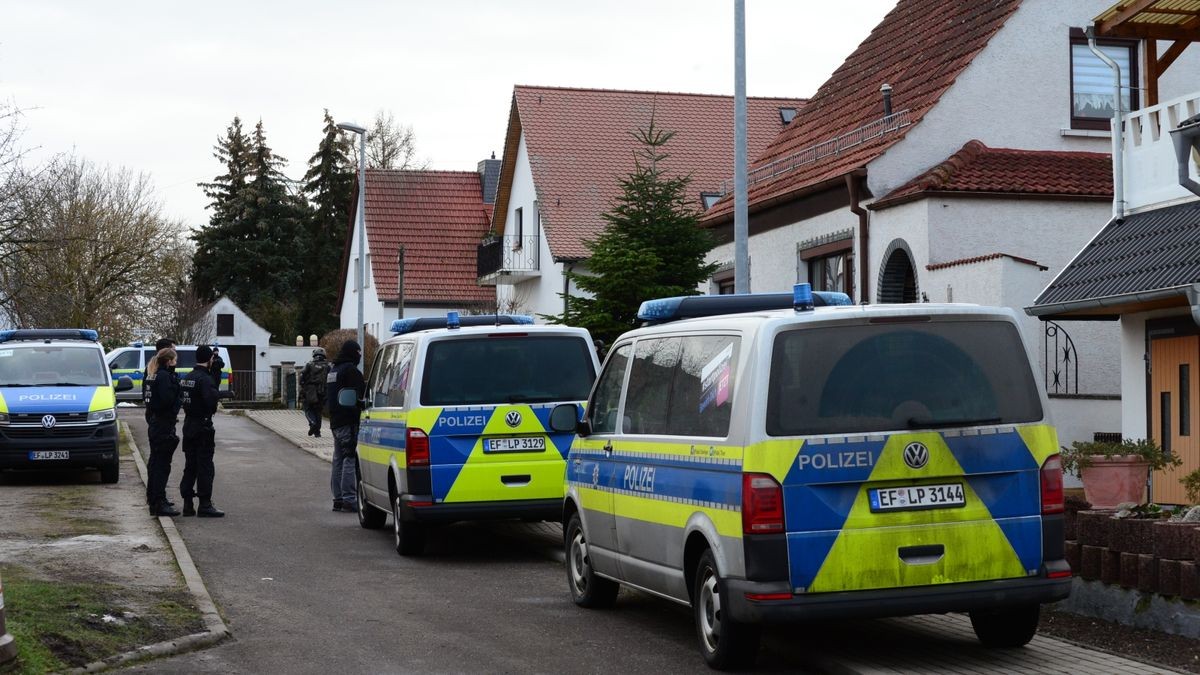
x: 802, y: 297
x: 663, y: 310
x: 49, y: 334
x: 401, y: 326
x: 452, y: 320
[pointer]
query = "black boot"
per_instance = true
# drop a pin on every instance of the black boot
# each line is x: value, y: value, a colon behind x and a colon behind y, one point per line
x: 338, y: 504
x: 163, y: 508
x: 188, y: 509
x: 207, y: 510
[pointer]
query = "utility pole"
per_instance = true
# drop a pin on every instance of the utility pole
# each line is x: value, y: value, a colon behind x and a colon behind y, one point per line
x: 741, y: 232
x: 400, y: 281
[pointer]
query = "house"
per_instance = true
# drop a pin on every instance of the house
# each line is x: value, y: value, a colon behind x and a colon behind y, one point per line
x: 564, y: 155
x: 249, y: 352
x: 959, y: 154
x: 423, y: 229
x: 1142, y: 269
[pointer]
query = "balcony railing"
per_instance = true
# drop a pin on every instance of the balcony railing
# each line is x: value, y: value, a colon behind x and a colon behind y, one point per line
x: 507, y: 256
x: 1151, y: 169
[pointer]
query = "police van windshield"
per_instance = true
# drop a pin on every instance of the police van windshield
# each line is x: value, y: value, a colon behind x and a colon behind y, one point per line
x: 44, y: 365
x: 872, y: 378
x: 502, y: 369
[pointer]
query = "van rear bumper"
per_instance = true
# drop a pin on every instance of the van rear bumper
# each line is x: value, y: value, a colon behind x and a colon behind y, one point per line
x: 962, y: 597
x: 530, y: 509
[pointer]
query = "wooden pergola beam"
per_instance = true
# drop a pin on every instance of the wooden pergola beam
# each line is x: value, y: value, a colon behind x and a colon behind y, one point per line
x: 1126, y: 13
x: 1168, y: 57
x: 1152, y: 32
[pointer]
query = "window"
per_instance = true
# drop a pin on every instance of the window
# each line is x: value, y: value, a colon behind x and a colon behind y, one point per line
x: 725, y: 286
x: 224, y: 325
x: 681, y: 386
x: 605, y: 405
x: 830, y: 265
x: 1092, y: 83
x: 519, y: 227
x: 125, y: 361
x: 1185, y: 399
x: 648, y: 403
x: 490, y: 370
x: 708, y: 199
x: 47, y: 365
x: 398, y: 387
x: 381, y: 374
x: 367, y: 271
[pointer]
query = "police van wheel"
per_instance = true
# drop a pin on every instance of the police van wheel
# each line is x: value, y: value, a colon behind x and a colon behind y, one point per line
x: 369, y: 517
x: 111, y: 472
x: 410, y: 537
x: 1008, y: 627
x: 587, y: 589
x: 724, y: 642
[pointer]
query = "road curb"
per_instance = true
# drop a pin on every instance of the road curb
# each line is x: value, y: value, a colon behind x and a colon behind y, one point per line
x: 215, y: 628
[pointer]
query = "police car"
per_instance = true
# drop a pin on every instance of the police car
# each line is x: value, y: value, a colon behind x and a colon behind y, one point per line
x: 805, y: 463
x: 457, y: 422
x: 131, y: 361
x: 57, y: 403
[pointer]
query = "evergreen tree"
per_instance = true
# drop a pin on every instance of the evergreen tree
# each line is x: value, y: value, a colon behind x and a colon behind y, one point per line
x: 329, y: 184
x: 651, y: 246
x: 213, y: 241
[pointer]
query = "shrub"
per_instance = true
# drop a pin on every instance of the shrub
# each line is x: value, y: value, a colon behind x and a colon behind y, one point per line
x: 1081, y: 454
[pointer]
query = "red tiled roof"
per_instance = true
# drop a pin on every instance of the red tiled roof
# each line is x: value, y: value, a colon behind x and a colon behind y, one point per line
x: 984, y: 258
x: 919, y: 48
x: 978, y: 168
x: 580, y: 144
x: 439, y: 217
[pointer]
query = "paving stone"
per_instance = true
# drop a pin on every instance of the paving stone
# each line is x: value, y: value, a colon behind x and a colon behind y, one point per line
x: 1129, y: 570
x: 1093, y: 527
x: 1089, y: 561
x: 1147, y: 573
x: 1173, y: 541
x: 1110, y: 566
x: 1189, y: 582
x: 1168, y: 577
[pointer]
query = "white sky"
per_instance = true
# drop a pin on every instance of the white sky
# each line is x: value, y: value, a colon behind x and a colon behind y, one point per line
x: 151, y: 85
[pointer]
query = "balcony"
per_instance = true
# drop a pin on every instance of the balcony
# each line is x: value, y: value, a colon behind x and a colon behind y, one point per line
x: 507, y: 259
x: 1151, y: 171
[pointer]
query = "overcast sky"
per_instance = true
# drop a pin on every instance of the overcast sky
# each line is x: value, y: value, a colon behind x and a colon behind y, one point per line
x: 151, y: 85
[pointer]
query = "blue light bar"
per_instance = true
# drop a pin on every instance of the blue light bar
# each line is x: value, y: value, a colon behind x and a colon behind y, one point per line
x: 452, y: 320
x: 662, y: 310
x: 401, y: 326
x: 49, y: 334
x: 802, y: 297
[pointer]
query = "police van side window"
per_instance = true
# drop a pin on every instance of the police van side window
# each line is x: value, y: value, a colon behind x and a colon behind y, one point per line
x: 400, y: 374
x: 604, y: 408
x: 125, y: 361
x: 702, y: 388
x: 648, y: 402
x: 381, y: 376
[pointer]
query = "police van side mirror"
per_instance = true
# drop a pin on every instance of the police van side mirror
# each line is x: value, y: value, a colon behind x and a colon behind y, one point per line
x: 124, y: 383
x: 347, y: 398
x: 564, y: 417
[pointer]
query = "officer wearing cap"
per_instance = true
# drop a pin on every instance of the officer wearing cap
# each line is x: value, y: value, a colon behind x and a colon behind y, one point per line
x: 198, y: 394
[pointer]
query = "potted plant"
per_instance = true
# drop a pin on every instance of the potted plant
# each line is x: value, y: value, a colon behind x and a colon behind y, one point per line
x: 1115, y: 473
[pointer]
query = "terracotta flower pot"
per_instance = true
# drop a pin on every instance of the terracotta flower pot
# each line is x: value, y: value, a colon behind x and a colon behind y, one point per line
x: 1110, y: 481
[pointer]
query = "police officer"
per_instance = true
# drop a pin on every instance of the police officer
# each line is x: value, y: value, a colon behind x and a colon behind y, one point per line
x: 163, y: 343
x: 343, y: 422
x: 312, y: 388
x: 162, y: 412
x: 198, y: 395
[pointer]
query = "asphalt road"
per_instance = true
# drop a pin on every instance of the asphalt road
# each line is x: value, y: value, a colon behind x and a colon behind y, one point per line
x: 306, y: 590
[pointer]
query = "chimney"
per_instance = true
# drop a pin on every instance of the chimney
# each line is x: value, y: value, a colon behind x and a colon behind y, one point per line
x: 886, y: 90
x: 489, y: 178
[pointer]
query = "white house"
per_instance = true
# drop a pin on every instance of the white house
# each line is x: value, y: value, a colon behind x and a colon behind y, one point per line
x: 566, y: 151
x: 1143, y: 266
x: 959, y: 154
x: 435, y: 220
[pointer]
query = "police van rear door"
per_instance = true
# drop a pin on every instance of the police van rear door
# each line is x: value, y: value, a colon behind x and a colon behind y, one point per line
x: 486, y: 398
x: 920, y: 444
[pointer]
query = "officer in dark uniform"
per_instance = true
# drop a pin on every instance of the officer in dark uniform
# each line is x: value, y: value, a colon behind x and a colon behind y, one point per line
x: 162, y: 412
x: 163, y: 343
x: 198, y: 394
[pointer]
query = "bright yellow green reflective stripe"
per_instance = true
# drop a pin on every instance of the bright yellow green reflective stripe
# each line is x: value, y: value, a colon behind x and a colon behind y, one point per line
x: 378, y: 455
x: 666, y: 449
x: 479, y: 482
x: 775, y: 458
x: 3, y: 404
x: 103, y: 399
x: 672, y: 514
x: 1042, y: 441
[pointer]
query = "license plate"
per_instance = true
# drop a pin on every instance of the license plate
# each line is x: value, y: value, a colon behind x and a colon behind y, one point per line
x: 917, y: 497
x: 49, y: 454
x: 515, y: 444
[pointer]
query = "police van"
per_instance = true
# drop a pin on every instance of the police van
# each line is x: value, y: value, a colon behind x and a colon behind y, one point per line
x: 131, y: 362
x: 57, y: 402
x: 814, y: 463
x: 456, y: 425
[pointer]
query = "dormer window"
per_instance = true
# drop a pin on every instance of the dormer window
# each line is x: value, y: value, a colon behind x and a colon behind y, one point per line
x: 1092, y: 105
x: 786, y: 115
x: 709, y: 199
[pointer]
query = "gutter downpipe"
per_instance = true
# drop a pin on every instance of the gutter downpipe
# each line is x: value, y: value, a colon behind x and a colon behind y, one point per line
x: 864, y: 238
x: 567, y: 267
x: 1117, y: 129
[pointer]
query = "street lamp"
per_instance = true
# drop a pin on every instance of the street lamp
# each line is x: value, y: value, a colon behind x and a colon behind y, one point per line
x: 362, y: 219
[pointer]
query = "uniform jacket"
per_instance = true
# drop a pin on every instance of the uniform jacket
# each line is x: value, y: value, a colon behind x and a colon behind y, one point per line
x: 162, y: 394
x: 198, y: 394
x: 312, y: 380
x: 344, y: 374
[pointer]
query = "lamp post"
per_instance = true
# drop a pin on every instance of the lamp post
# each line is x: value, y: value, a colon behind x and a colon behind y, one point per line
x: 362, y: 219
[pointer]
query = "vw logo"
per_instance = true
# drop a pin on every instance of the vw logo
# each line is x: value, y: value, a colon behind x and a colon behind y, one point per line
x: 48, y: 421
x: 513, y: 419
x: 916, y: 455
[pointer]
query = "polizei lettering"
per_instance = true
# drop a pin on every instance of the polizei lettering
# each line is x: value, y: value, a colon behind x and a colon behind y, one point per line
x: 854, y: 459
x: 47, y: 397
x: 639, y: 478
x: 463, y: 421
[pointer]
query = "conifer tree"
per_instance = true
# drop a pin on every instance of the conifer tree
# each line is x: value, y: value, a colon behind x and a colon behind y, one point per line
x: 329, y: 184
x: 214, y: 241
x: 651, y: 246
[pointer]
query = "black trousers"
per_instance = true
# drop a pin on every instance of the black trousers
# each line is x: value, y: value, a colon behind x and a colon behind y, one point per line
x: 163, y: 442
x: 199, y: 443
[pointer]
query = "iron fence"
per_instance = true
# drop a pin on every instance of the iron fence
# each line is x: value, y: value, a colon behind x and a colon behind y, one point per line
x: 1062, y: 362
x: 509, y: 254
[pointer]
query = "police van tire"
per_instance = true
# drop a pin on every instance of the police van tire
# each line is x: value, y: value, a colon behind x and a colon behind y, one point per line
x: 725, y: 643
x: 409, y: 537
x: 587, y: 588
x: 369, y: 517
x: 1008, y: 627
x: 111, y: 472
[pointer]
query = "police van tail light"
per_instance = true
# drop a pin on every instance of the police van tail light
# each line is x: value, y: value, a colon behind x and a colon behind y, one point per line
x: 416, y: 447
x: 762, y: 504
x: 1052, y: 485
